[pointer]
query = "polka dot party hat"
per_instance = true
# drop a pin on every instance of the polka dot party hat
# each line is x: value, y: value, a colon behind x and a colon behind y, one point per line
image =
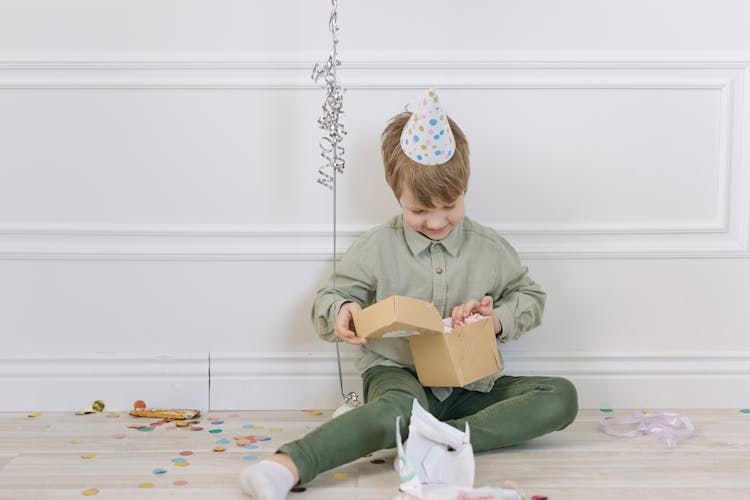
x: 427, y: 136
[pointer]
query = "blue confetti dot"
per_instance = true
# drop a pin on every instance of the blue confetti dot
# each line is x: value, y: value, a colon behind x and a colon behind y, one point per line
x: 419, y: 157
x: 251, y: 446
x: 222, y: 441
x: 217, y: 422
x: 406, y: 141
x: 416, y: 138
x: 248, y: 426
x: 433, y: 122
x: 437, y: 153
x: 442, y: 132
x: 250, y: 457
x: 159, y: 471
x: 436, y: 137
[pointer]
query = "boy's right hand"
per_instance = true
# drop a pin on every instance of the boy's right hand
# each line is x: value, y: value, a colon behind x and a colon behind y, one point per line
x: 344, y: 328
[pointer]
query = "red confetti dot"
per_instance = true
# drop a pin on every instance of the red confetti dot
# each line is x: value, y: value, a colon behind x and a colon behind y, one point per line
x: 186, y: 453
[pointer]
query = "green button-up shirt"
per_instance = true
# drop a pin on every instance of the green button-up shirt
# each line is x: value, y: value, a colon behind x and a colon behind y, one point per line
x: 469, y: 263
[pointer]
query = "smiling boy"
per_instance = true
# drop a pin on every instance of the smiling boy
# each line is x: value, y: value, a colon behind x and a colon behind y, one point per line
x: 433, y: 252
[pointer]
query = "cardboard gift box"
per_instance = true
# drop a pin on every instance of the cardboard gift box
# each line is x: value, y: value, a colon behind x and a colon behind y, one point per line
x: 442, y: 359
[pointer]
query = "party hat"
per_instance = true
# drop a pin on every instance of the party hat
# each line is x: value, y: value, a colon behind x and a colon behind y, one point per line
x: 427, y: 136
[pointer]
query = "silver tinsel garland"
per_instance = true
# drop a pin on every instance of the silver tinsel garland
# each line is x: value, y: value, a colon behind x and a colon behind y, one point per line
x: 330, y: 144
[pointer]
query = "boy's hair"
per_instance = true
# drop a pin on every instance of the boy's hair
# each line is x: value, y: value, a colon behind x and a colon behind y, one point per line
x: 427, y: 183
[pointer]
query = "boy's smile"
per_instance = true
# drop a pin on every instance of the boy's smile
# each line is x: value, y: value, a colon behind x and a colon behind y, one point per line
x: 435, y: 223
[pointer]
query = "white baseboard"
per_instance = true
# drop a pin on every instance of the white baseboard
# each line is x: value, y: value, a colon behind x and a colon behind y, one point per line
x: 275, y: 381
x: 678, y: 380
x: 70, y: 382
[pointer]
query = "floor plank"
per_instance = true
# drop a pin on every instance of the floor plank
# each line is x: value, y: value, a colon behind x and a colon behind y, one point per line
x: 43, y: 457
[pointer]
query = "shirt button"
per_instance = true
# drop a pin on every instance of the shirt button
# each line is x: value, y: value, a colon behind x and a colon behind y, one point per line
x: 439, y: 270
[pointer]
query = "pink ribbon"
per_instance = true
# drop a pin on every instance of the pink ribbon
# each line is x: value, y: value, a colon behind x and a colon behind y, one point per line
x: 671, y: 427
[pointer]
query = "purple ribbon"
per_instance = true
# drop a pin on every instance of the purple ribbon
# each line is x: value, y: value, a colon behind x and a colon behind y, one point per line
x: 671, y: 427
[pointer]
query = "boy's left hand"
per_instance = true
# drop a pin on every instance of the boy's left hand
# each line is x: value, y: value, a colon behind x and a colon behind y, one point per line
x: 484, y: 308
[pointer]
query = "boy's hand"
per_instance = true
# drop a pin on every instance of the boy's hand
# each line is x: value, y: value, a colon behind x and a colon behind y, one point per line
x: 484, y: 308
x: 344, y: 328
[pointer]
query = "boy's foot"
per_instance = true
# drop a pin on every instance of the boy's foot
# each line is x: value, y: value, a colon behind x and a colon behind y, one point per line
x: 266, y: 480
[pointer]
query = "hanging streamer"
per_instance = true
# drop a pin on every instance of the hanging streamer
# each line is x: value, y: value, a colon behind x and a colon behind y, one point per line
x: 333, y: 154
x: 330, y: 145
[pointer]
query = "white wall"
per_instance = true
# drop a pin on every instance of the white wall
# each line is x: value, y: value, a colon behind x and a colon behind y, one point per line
x: 161, y: 231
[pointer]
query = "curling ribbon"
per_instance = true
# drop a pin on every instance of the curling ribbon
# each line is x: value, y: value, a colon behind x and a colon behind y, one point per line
x: 671, y: 427
x: 331, y: 149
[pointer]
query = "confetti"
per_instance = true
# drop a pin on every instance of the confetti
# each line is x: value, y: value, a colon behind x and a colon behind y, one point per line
x: 119, y: 436
x: 222, y: 441
x: 217, y: 422
x: 146, y: 485
x: 251, y: 446
x: 182, y: 464
x: 248, y: 426
x: 90, y: 492
x: 538, y: 497
x: 180, y: 482
x: 745, y: 410
x: 159, y: 470
x: 186, y: 453
x: 182, y: 423
x: 341, y: 475
x: 219, y: 448
x: 178, y: 459
x: 196, y: 428
x: 88, y: 455
x: 250, y: 457
x: 605, y: 410
x: 32, y: 415
x: 214, y: 431
x: 275, y: 429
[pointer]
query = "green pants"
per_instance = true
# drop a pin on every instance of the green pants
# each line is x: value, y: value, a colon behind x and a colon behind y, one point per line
x: 515, y: 410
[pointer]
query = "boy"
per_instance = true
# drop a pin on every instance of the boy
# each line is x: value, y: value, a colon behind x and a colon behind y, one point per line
x: 431, y: 251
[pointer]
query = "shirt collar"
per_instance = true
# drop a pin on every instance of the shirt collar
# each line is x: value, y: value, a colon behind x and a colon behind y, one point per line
x: 418, y: 242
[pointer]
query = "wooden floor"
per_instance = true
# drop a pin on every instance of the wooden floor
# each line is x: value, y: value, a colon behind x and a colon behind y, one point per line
x: 62, y: 455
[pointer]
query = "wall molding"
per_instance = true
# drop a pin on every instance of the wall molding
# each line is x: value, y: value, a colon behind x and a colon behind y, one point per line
x: 727, y: 236
x: 315, y: 243
x: 291, y: 380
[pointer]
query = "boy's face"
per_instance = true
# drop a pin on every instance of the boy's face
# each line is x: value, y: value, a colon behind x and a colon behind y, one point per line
x: 435, y: 223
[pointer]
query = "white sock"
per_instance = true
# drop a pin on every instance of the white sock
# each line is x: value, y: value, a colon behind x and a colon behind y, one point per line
x: 266, y: 480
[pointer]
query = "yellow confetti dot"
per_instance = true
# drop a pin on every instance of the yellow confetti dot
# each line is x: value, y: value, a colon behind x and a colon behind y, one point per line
x: 76, y: 441
x: 35, y: 414
x: 258, y: 427
x: 146, y: 485
x: 88, y: 455
x: 182, y: 464
x: 316, y: 412
x: 341, y: 475
x: 219, y: 448
x: 275, y: 429
x: 90, y: 492
x: 181, y: 423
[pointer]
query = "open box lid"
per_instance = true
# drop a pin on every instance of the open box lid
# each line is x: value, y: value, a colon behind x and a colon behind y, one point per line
x: 397, y: 313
